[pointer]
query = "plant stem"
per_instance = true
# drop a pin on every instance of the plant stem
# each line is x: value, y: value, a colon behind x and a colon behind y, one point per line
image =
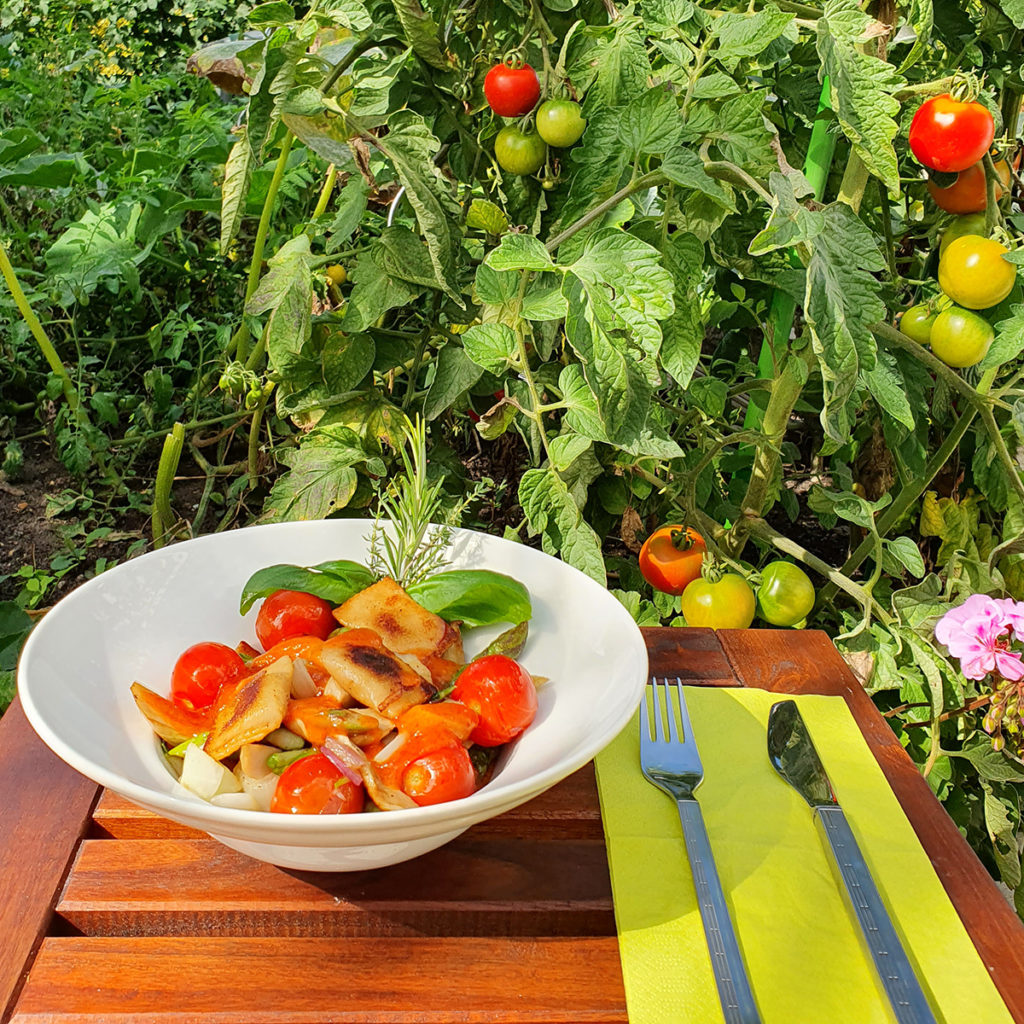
x: 992, y: 214
x: 253, y: 461
x: 163, y: 515
x: 325, y: 197
x: 651, y: 180
x: 524, y: 366
x: 42, y: 339
x: 785, y: 390
x: 346, y: 62
x: 239, y: 344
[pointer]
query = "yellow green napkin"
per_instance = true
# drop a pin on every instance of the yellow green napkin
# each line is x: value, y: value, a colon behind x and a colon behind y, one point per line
x: 806, y: 961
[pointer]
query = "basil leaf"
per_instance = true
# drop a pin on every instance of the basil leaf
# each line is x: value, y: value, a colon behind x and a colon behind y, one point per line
x: 474, y: 597
x: 333, y: 581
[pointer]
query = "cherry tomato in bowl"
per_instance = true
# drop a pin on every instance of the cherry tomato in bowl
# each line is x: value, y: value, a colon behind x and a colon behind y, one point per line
x: 442, y: 775
x: 672, y: 557
x: 947, y: 134
x: 312, y: 785
x: 560, y: 123
x: 785, y: 595
x: 201, y: 671
x: 502, y: 693
x: 968, y: 193
x: 511, y: 91
x: 961, y: 338
x: 288, y: 613
x: 727, y: 603
x: 973, y: 273
x: 519, y: 152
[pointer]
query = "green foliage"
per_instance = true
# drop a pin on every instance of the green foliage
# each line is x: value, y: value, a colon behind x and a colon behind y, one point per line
x: 668, y: 322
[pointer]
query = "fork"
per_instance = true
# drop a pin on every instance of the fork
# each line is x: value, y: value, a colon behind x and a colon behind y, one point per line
x: 670, y: 760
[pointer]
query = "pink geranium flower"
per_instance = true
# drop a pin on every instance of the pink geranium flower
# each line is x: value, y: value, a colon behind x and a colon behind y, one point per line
x: 977, y: 632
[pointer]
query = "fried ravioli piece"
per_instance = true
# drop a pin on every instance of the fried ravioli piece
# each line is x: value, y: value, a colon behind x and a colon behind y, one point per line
x: 250, y: 709
x: 360, y: 663
x: 405, y: 626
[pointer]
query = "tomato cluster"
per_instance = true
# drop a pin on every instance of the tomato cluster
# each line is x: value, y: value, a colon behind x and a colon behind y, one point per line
x: 954, y: 136
x: 672, y: 560
x: 513, y: 90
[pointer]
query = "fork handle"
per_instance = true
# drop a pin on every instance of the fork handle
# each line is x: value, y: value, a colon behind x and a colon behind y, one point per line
x: 734, y: 991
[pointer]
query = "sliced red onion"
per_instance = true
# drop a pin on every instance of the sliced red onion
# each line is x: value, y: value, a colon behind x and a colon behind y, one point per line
x: 391, y: 747
x: 346, y: 757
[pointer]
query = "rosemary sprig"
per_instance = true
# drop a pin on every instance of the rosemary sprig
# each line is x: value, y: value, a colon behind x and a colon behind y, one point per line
x: 415, y: 551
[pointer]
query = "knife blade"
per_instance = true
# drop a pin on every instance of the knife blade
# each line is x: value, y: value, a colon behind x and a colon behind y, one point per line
x: 793, y: 755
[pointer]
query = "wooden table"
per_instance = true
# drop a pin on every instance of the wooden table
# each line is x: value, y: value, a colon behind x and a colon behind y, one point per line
x: 111, y: 914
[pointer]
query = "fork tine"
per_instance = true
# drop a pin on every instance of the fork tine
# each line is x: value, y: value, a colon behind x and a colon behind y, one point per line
x: 684, y: 713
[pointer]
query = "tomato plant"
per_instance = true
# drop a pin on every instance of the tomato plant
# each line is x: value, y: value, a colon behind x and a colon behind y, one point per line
x: 947, y: 134
x: 560, y: 123
x: 502, y: 693
x: 440, y: 776
x: 785, y: 595
x: 726, y: 603
x: 968, y: 193
x: 671, y: 558
x: 293, y: 613
x: 973, y: 273
x: 200, y: 672
x: 519, y: 152
x: 312, y: 785
x: 511, y: 91
x: 960, y: 337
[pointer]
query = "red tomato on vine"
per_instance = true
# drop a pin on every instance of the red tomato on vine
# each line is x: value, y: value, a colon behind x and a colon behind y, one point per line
x: 968, y: 193
x: 947, y: 134
x: 672, y: 557
x: 511, y: 91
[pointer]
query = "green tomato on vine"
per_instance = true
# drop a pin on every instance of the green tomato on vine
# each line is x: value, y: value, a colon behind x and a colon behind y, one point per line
x: 560, y: 123
x: 519, y: 152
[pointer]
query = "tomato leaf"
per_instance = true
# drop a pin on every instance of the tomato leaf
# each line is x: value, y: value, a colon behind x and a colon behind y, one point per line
x: 862, y: 88
x: 286, y: 293
x: 321, y: 476
x: 455, y: 374
x: 474, y: 597
x: 237, y: 173
x: 551, y: 512
x: 335, y: 581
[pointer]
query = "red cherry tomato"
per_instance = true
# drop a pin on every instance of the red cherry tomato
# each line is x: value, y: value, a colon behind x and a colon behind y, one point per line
x: 512, y: 91
x: 502, y: 693
x: 440, y: 776
x: 288, y: 613
x: 312, y: 785
x: 201, y: 671
x: 968, y: 193
x: 949, y: 135
x: 671, y: 558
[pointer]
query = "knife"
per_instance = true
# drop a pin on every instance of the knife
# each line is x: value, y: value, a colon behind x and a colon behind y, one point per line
x: 793, y: 756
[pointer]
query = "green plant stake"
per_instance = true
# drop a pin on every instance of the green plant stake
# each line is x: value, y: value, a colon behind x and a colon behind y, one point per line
x: 817, y: 165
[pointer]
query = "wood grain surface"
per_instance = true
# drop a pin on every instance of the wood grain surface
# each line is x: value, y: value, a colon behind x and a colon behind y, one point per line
x: 123, y: 917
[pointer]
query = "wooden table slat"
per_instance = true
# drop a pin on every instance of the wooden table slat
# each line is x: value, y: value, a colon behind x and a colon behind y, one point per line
x: 302, y: 981
x: 45, y: 812
x: 472, y: 886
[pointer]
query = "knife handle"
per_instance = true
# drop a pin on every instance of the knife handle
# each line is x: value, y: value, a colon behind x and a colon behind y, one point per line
x: 734, y: 991
x: 898, y: 978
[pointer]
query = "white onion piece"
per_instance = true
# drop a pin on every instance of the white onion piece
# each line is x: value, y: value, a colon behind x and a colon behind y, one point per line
x: 391, y: 747
x: 261, y: 789
x: 302, y: 682
x: 345, y: 756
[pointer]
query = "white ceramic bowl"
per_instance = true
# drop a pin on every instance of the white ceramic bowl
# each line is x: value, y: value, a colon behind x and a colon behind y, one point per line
x: 131, y: 623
